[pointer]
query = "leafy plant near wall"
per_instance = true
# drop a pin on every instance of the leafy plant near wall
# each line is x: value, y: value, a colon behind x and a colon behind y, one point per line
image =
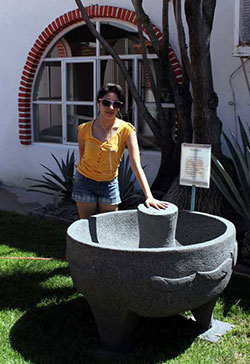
x: 237, y: 195
x: 60, y: 185
x: 57, y: 184
x: 126, y: 182
x: 126, y: 179
x: 236, y: 192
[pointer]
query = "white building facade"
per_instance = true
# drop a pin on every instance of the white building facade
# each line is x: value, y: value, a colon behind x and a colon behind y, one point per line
x: 52, y: 67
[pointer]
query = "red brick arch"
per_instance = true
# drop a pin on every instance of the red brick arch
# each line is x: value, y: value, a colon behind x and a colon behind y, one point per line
x: 47, y: 36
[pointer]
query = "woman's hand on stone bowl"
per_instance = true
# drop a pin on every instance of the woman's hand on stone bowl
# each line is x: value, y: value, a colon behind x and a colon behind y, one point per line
x: 156, y: 203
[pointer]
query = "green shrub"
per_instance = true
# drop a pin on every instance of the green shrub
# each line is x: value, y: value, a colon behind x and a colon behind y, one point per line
x: 237, y: 193
x: 57, y: 184
x: 61, y: 184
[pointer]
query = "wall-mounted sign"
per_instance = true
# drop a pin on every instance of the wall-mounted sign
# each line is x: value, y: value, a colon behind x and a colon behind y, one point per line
x: 195, y: 165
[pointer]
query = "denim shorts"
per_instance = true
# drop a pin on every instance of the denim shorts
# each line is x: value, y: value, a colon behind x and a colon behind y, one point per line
x: 89, y: 190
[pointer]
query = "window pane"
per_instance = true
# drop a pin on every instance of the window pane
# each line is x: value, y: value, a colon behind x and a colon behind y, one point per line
x: 48, y: 82
x: 55, y: 51
x: 76, y: 115
x: 81, y: 42
x: 48, y: 123
x: 80, y: 82
x: 145, y: 136
x: 122, y: 40
x: 78, y: 42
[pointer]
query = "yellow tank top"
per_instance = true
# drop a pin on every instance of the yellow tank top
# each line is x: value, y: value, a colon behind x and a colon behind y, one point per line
x: 101, y: 159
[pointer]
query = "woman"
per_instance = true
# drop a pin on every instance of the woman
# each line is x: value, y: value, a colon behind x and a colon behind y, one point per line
x: 101, y: 145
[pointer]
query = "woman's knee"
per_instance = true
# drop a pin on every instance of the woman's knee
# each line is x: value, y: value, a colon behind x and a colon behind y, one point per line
x: 86, y: 209
x: 102, y: 207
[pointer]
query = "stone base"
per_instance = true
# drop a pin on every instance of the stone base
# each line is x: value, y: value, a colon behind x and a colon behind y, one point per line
x: 218, y: 329
x: 188, y: 326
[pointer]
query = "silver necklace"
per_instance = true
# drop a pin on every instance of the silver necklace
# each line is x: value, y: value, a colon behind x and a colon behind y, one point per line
x: 107, y: 132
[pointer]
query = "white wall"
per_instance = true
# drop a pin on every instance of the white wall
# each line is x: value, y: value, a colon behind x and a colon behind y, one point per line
x: 21, y: 24
x: 224, y: 66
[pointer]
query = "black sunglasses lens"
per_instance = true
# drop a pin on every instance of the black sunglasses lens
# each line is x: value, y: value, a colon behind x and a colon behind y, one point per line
x: 117, y: 104
x: 106, y: 103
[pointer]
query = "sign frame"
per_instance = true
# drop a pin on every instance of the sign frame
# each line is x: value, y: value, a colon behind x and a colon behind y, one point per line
x: 195, y: 169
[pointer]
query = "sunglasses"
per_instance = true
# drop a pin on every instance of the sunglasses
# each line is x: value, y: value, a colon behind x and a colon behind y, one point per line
x: 108, y: 103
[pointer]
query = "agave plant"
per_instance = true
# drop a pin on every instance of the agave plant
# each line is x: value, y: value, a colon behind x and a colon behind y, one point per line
x: 54, y: 184
x: 126, y: 181
x: 61, y: 185
x: 238, y: 195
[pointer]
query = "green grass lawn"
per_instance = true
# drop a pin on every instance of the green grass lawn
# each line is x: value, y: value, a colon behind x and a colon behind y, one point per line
x: 43, y: 320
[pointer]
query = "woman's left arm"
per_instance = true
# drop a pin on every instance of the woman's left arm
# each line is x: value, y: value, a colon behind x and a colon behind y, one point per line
x: 134, y: 158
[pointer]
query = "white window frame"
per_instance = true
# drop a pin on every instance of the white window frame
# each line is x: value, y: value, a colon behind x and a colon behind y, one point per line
x: 239, y: 50
x: 96, y: 60
x: 65, y: 103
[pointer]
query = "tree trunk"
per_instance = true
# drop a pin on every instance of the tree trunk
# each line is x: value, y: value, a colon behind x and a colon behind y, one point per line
x: 207, y: 126
x: 169, y: 168
x: 197, y: 69
x: 183, y: 102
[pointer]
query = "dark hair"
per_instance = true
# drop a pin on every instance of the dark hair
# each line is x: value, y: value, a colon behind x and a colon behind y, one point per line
x: 110, y: 87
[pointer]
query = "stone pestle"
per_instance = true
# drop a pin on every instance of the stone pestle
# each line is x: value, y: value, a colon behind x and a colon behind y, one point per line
x: 157, y: 227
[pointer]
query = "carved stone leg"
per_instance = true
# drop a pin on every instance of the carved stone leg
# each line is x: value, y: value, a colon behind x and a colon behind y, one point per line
x: 114, y: 327
x: 204, y: 314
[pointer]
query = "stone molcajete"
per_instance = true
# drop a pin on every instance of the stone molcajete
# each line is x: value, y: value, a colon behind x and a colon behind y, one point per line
x: 149, y: 263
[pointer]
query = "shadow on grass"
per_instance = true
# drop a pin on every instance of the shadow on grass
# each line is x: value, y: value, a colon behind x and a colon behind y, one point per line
x: 238, y: 287
x: 237, y: 292
x: 54, y: 334
x: 64, y: 330
x: 161, y: 339
x: 66, y: 333
x: 32, y: 234
x: 22, y: 290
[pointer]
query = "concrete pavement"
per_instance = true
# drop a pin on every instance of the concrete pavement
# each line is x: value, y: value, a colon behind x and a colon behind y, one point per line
x: 20, y: 200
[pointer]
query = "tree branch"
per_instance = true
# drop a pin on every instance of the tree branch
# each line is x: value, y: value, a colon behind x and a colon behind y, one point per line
x: 186, y: 64
x: 181, y: 93
x: 164, y: 53
x: 154, y: 88
x: 169, y: 78
x: 208, y: 8
x: 150, y: 120
x: 148, y: 25
x: 107, y: 46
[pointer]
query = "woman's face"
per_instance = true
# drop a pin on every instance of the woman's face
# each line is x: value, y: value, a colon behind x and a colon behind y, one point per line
x: 107, y: 109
